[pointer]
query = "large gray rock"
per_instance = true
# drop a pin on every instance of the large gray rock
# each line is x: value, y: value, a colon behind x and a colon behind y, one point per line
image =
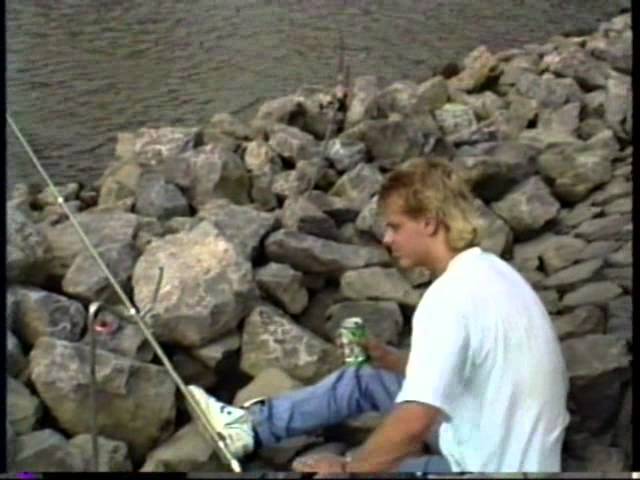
x: 298, y: 181
x: 554, y: 252
x: 521, y: 111
x: 598, y: 249
x: 47, y: 198
x: 370, y: 221
x: 528, y: 206
x: 399, y: 97
x: 268, y: 383
x: 213, y: 353
x: 432, y: 94
x: 479, y: 65
x: 353, y: 235
x: 16, y: 361
x: 569, y: 218
x: 315, y: 255
x: 615, y: 189
x: 455, y: 118
x: 548, y: 90
x: 624, y: 432
x: 210, y: 172
x: 226, y: 124
x: 320, y: 114
x: 121, y: 337
x: 12, y: 298
x: 47, y: 314
x: 574, y: 274
x: 280, y: 455
x: 10, y: 447
x: 279, y: 110
x: 377, y: 283
x: 604, y: 228
x: 292, y: 143
x: 188, y: 450
x: 101, y: 229
x: 159, y: 199
x: 579, y: 322
x: 615, y: 50
x: 389, y: 141
x: 345, y: 154
x: 272, y: 339
x: 263, y: 164
x: 191, y: 370
x: 362, y: 102
x: 300, y: 214
x: 622, y: 205
x: 622, y: 257
x: 618, y: 102
x: 491, y: 169
x: 27, y: 248
x: 113, y: 455
x: 416, y: 276
x: 486, y: 105
x: 260, y: 158
x: 23, y: 409
x: 339, y: 209
x: 492, y: 233
x: 566, y: 118
x: 86, y: 280
x: 597, y: 366
x: 383, y: 319
x: 152, y: 147
x: 620, y: 317
x: 607, y: 461
x: 119, y: 182
x: 550, y: 298
x: 542, y: 140
x: 358, y: 185
x: 150, y: 229
x: 46, y: 451
x: 587, y: 71
x: 135, y: 401
x: 596, y: 293
x: 284, y: 285
x: 622, y: 276
x: 211, y: 286
x: 576, y: 170
x: 242, y: 226
x: 314, y: 317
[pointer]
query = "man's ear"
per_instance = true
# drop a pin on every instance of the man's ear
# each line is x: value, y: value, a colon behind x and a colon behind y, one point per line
x: 431, y: 225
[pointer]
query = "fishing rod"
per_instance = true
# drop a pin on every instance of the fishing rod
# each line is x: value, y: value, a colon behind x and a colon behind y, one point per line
x: 217, y: 441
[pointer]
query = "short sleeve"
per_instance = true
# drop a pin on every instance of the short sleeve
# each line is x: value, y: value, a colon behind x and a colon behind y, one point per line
x: 436, y: 365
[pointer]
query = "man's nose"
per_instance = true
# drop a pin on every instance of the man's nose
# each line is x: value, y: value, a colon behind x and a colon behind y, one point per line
x: 386, y: 240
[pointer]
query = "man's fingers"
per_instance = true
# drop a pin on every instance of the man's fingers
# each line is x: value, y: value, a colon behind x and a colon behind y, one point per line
x: 303, y: 464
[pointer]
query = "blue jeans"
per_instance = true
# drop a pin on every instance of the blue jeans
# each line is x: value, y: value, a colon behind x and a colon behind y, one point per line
x: 342, y: 395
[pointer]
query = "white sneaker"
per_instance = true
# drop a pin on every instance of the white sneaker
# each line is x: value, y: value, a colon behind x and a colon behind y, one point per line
x: 233, y: 424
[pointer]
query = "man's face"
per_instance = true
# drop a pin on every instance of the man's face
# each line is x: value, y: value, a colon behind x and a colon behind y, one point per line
x: 407, y: 238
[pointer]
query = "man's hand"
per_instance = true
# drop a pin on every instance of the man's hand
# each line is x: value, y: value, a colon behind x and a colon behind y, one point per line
x: 321, y: 463
x: 384, y: 356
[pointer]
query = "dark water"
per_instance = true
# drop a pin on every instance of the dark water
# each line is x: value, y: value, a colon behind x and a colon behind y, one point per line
x: 79, y: 71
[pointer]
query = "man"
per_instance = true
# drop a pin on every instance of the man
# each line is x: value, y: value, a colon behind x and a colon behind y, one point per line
x: 484, y: 376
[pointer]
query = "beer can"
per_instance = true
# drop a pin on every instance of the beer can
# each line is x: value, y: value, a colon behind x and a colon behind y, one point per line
x: 352, y: 332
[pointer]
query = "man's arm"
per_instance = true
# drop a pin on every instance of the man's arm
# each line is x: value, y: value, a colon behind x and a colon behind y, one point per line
x: 400, y: 435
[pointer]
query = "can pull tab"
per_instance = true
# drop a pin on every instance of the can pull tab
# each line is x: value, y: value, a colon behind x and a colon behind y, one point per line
x: 106, y: 326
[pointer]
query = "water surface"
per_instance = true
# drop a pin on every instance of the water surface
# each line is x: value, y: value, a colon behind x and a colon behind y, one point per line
x: 79, y: 71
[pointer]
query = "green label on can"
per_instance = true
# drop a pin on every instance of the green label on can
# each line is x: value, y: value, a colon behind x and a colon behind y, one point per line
x: 352, y: 333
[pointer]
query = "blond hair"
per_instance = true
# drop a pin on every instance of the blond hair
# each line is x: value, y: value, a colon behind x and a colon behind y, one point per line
x: 433, y: 188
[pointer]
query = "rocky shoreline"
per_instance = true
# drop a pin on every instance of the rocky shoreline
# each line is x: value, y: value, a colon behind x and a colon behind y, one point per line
x: 268, y: 236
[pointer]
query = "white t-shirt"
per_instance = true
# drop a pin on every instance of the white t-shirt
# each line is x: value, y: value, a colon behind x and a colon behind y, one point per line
x: 484, y: 351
